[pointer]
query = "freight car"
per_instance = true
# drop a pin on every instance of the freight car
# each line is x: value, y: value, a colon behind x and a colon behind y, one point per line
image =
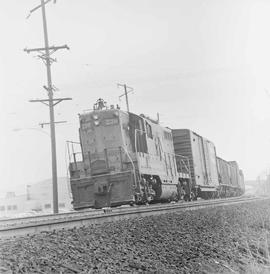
x: 126, y: 158
x: 202, y: 156
x: 236, y: 178
x: 231, y: 179
x: 211, y: 176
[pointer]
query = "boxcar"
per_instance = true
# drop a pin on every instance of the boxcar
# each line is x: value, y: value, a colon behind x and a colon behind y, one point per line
x: 227, y: 183
x: 202, y: 157
x: 231, y: 178
x: 237, y: 178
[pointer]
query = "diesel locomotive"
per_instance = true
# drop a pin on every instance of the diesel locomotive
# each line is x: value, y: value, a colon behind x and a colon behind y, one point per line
x: 126, y: 158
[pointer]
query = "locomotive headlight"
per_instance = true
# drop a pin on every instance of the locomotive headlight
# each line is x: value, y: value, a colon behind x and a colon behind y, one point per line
x: 96, y: 123
x: 95, y: 117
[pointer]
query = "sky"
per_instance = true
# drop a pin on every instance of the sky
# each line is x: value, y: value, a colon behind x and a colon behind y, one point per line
x: 201, y: 64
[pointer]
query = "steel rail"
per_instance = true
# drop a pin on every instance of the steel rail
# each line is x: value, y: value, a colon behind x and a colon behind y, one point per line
x: 113, y: 215
x: 84, y: 212
x: 91, y: 212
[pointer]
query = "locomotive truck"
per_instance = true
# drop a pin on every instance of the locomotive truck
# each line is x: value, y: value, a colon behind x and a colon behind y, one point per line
x: 126, y: 158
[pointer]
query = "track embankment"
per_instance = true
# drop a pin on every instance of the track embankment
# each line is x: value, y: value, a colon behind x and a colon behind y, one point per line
x: 36, y: 224
x: 218, y: 239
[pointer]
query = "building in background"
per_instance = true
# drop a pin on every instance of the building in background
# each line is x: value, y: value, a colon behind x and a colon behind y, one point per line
x: 263, y: 186
x: 36, y: 200
x: 260, y: 186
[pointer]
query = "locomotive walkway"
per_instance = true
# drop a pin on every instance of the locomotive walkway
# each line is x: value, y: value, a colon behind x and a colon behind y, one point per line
x: 36, y: 224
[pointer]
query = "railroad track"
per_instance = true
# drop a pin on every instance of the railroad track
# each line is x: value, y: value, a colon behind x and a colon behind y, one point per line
x: 35, y: 224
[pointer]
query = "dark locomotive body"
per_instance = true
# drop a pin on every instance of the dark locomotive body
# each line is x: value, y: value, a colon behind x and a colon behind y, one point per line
x: 129, y: 159
x: 126, y: 159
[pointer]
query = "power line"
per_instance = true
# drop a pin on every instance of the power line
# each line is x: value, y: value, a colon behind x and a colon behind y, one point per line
x: 45, y: 55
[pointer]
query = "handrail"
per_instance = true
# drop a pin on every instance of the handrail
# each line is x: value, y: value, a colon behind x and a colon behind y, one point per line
x: 106, y: 154
x: 95, y: 176
x: 133, y: 166
x: 136, y: 150
x: 184, y: 158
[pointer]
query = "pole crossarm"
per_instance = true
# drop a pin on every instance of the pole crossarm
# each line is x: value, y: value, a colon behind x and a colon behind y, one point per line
x: 48, y: 123
x: 127, y: 87
x: 45, y: 53
x: 125, y: 94
x: 56, y: 100
x: 49, y: 48
x: 38, y: 7
x: 60, y: 100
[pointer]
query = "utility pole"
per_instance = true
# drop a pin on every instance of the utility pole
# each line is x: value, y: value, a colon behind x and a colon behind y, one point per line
x: 45, y: 55
x: 127, y: 91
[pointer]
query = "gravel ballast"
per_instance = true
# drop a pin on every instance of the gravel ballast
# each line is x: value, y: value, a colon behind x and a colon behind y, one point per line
x: 229, y: 239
